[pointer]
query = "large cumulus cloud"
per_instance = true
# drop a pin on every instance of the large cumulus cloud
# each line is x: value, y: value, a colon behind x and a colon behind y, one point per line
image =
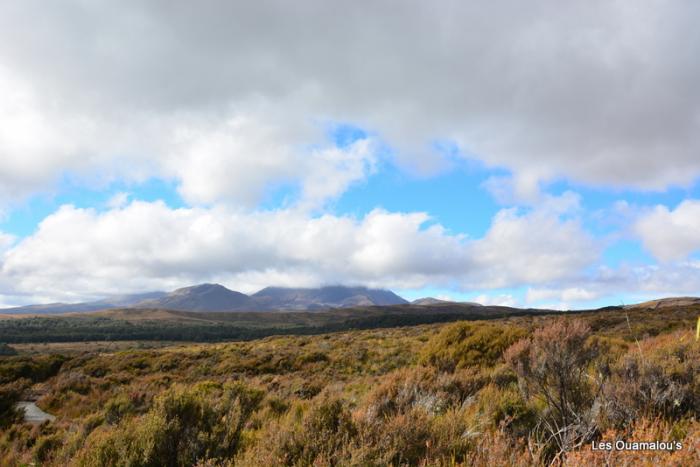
x: 600, y: 92
x: 76, y: 252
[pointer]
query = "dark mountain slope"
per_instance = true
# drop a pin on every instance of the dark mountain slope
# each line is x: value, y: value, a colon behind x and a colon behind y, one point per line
x: 281, y: 298
x: 203, y: 297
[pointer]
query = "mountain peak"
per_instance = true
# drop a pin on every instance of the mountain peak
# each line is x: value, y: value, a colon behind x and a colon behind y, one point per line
x: 330, y: 296
x: 216, y: 297
x: 426, y: 301
x: 201, y: 297
x: 202, y: 288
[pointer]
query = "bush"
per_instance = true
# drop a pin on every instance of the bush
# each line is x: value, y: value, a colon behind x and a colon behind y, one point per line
x: 321, y: 435
x: 117, y: 408
x: 73, y: 381
x: 46, y: 446
x: 424, y: 389
x: 36, y: 369
x: 507, y: 409
x: 553, y: 366
x: 9, y: 396
x: 660, y: 381
x: 186, y: 424
x: 467, y: 344
x: 404, y: 439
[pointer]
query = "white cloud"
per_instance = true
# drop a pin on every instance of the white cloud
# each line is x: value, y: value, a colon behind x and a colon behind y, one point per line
x: 118, y: 200
x: 234, y: 159
x: 536, y: 247
x: 565, y: 295
x: 623, y: 285
x: 496, y: 300
x: 6, y: 241
x: 81, y: 252
x: 671, y: 234
x: 602, y: 93
x: 330, y: 172
x: 230, y: 156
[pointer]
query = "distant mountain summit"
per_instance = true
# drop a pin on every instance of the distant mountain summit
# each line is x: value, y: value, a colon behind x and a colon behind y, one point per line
x: 282, y: 298
x: 203, y: 297
x: 436, y: 301
x: 429, y: 301
x: 215, y: 297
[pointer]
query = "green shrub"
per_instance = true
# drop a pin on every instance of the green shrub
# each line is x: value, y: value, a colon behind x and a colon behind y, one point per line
x: 507, y: 408
x: 36, y: 369
x: 9, y: 396
x: 117, y: 408
x: 312, y: 357
x: 467, y: 344
x: 46, y: 446
x: 185, y: 424
x: 320, y: 435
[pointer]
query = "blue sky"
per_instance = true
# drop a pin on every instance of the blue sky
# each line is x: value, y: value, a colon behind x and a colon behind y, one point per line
x: 449, y: 151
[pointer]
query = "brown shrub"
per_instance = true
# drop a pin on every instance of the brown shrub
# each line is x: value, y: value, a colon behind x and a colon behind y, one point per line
x: 553, y: 365
x: 645, y: 430
x: 497, y: 448
x: 403, y: 439
x: 658, y: 379
x: 422, y: 388
x: 321, y: 435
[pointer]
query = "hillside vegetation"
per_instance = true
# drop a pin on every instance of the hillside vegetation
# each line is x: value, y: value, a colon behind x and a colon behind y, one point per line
x: 527, y: 390
x: 168, y: 325
x: 159, y: 324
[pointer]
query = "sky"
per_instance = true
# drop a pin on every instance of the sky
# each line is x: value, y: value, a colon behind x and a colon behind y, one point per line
x: 536, y: 154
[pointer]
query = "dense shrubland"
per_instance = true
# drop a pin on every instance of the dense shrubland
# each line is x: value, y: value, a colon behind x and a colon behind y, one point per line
x: 163, y: 325
x: 521, y: 391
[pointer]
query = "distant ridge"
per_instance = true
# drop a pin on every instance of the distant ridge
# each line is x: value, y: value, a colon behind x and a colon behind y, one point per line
x: 116, y: 301
x: 282, y: 298
x: 667, y: 302
x: 203, y: 297
x: 216, y: 297
x: 436, y: 301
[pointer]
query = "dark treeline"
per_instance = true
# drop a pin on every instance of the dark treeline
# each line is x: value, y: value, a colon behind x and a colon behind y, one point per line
x: 231, y: 326
x: 213, y: 327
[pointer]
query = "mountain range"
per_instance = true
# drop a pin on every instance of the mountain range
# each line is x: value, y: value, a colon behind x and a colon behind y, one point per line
x: 215, y: 297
